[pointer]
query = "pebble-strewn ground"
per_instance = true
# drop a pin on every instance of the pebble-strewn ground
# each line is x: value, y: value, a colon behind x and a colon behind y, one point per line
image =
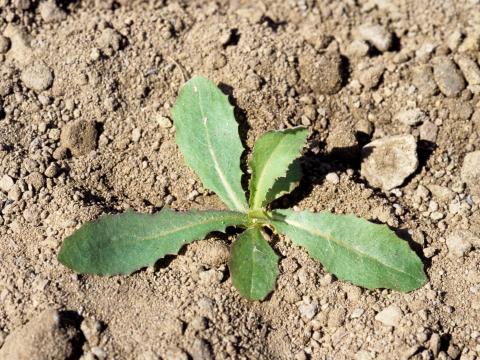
x: 390, y: 92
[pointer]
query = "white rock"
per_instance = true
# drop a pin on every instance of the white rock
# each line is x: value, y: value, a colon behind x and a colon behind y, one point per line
x: 377, y: 35
x: 50, y: 12
x: 136, y: 135
x: 6, y: 183
x: 411, y: 117
x: 460, y: 242
x: 356, y: 313
x: 37, y: 76
x: 387, y: 162
x: 332, y: 178
x: 390, y: 316
x: 308, y: 311
x: 163, y: 121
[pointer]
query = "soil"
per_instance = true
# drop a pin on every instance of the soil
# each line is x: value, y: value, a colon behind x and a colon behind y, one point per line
x: 86, y: 90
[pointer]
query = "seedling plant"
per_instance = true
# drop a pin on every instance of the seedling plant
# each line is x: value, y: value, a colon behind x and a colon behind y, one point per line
x: 366, y: 254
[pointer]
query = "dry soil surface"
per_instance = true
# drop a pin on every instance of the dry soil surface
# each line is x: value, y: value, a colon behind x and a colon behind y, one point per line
x: 86, y: 89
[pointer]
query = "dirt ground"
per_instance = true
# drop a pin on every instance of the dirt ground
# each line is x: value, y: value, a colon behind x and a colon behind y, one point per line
x: 86, y: 89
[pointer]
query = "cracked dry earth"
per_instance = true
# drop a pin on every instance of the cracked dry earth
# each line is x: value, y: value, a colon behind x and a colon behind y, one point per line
x: 390, y: 92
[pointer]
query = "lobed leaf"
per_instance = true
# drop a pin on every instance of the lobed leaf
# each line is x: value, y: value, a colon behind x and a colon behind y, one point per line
x: 207, y: 135
x: 274, y: 169
x: 354, y: 249
x: 253, y: 265
x: 121, y: 244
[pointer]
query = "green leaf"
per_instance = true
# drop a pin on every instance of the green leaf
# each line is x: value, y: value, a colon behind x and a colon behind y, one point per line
x: 121, y: 244
x: 253, y: 265
x: 274, y: 169
x: 354, y: 249
x: 207, y: 135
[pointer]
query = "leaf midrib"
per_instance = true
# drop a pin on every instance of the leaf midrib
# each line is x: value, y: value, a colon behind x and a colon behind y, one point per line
x: 182, y: 228
x: 329, y: 238
x: 231, y: 194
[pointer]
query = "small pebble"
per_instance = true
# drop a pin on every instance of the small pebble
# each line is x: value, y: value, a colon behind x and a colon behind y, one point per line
x: 332, y: 178
x: 411, y: 117
x: 390, y: 316
x: 52, y: 170
x: 428, y: 131
x: 308, y: 310
x: 370, y: 78
x: 136, y: 135
x: 37, y: 76
x: 460, y: 242
x: 6, y: 183
x: 469, y: 68
x: 447, y: 76
x: 163, y: 121
x: 376, y: 35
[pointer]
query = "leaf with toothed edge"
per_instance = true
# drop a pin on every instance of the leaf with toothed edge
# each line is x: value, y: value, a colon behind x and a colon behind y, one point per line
x: 354, y: 249
x: 207, y: 135
x: 275, y: 170
x: 122, y: 244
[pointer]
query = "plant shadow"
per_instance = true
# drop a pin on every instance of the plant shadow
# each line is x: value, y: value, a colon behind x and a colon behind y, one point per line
x: 243, y: 129
x: 317, y: 165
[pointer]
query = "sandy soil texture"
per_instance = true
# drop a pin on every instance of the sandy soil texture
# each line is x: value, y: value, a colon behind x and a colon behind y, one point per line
x: 86, y: 89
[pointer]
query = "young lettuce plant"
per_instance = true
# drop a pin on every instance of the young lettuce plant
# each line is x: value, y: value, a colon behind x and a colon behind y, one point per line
x: 366, y: 254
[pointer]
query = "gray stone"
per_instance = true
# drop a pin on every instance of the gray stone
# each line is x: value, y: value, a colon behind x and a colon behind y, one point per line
x: 387, y: 162
x: 447, y: 76
x: 470, y: 173
x: 37, y: 76
x: 376, y: 35
x: 428, y: 131
x: 390, y: 316
x: 46, y: 337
